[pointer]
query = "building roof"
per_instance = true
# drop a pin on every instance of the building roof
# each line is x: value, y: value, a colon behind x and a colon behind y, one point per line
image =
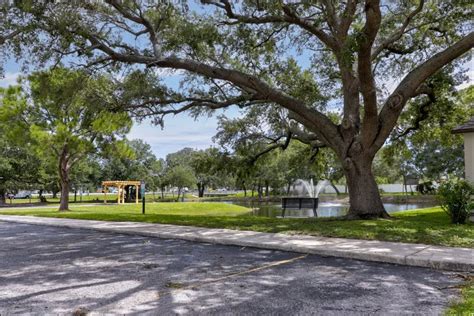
x: 465, y: 128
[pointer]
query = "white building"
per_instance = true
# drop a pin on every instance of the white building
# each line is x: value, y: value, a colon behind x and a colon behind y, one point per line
x: 468, y: 132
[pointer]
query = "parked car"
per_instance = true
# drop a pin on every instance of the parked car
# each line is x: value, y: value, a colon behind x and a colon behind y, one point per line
x: 21, y: 195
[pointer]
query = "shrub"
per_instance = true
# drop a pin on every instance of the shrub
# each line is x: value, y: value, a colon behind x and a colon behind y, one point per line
x: 455, y: 198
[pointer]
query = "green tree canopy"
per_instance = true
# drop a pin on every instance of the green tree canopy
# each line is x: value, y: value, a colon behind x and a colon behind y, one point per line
x: 428, y: 149
x: 139, y: 163
x: 62, y: 114
x: 180, y: 177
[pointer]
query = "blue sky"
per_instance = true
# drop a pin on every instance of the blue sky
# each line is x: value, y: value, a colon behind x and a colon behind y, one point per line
x: 179, y: 131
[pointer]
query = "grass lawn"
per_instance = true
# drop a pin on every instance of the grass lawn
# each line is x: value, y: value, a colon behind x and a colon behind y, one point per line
x: 132, y: 212
x: 111, y: 197
x: 428, y: 226
x: 465, y: 306
x: 85, y: 199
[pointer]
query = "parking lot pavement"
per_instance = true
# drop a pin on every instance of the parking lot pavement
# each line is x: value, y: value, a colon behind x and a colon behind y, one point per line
x: 51, y: 270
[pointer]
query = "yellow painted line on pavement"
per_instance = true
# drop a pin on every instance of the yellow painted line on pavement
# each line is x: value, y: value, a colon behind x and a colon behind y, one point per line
x: 180, y: 287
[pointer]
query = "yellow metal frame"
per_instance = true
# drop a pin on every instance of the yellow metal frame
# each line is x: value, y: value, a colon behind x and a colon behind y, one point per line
x: 120, y: 185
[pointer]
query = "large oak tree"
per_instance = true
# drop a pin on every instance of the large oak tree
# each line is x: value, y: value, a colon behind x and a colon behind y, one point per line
x: 300, y: 56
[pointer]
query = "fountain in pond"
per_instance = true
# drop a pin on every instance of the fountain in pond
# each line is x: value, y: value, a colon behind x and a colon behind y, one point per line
x: 304, y: 194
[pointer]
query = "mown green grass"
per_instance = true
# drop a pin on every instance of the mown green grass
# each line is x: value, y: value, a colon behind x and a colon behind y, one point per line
x: 130, y: 210
x: 465, y: 305
x: 111, y: 197
x: 85, y: 199
x: 22, y: 201
x: 427, y: 226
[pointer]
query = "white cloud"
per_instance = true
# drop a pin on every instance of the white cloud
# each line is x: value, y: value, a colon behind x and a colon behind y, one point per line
x: 180, y: 131
x: 168, y: 72
x: 9, y: 79
x: 470, y: 74
x: 172, y: 137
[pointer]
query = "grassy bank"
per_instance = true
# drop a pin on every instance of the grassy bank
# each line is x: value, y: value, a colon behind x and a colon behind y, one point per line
x: 465, y: 305
x: 239, y: 197
x: 428, y: 226
x: 91, y: 198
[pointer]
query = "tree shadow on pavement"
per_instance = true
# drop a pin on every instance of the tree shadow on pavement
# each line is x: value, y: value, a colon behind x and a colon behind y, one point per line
x: 59, y: 270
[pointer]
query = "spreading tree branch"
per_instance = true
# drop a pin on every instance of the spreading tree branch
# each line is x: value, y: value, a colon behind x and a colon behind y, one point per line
x: 5, y: 38
x: 289, y: 16
x: 211, y: 104
x: 423, y: 113
x: 410, y: 84
x: 395, y: 36
x: 366, y: 40
x: 326, y: 129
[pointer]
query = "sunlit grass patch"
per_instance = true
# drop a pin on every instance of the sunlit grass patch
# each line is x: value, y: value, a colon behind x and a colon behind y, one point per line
x: 427, y: 226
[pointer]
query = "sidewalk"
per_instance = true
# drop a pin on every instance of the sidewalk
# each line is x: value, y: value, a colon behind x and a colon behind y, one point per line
x: 436, y: 257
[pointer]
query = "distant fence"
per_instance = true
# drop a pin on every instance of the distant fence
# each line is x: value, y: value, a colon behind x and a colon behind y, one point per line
x: 389, y: 188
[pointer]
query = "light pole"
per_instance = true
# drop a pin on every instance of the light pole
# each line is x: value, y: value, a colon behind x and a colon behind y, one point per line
x: 142, y: 189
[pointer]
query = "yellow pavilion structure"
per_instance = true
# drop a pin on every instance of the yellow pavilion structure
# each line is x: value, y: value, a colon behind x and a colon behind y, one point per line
x: 120, y: 185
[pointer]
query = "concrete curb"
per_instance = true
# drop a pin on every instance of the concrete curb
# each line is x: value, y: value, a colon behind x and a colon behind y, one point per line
x: 435, y: 257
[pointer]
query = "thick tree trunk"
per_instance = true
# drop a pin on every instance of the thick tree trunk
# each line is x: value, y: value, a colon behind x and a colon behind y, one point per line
x: 2, y: 197
x: 335, y: 188
x: 42, y: 199
x: 267, y: 189
x: 64, y: 180
x: 365, y: 201
x: 201, y: 192
x: 201, y: 188
x: 64, y: 200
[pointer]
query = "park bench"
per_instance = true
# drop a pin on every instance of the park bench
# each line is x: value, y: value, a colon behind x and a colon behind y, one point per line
x: 299, y: 203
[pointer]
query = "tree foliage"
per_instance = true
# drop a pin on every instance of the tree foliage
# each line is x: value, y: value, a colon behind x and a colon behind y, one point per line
x: 61, y: 114
x: 428, y: 149
x: 180, y: 177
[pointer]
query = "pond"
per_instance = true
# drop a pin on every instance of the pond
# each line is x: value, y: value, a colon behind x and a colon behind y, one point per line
x: 325, y: 209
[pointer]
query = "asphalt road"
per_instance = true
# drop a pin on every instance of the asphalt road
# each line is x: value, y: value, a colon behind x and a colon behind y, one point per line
x: 48, y: 270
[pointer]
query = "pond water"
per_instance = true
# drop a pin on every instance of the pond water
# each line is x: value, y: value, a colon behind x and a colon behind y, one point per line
x: 325, y: 209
